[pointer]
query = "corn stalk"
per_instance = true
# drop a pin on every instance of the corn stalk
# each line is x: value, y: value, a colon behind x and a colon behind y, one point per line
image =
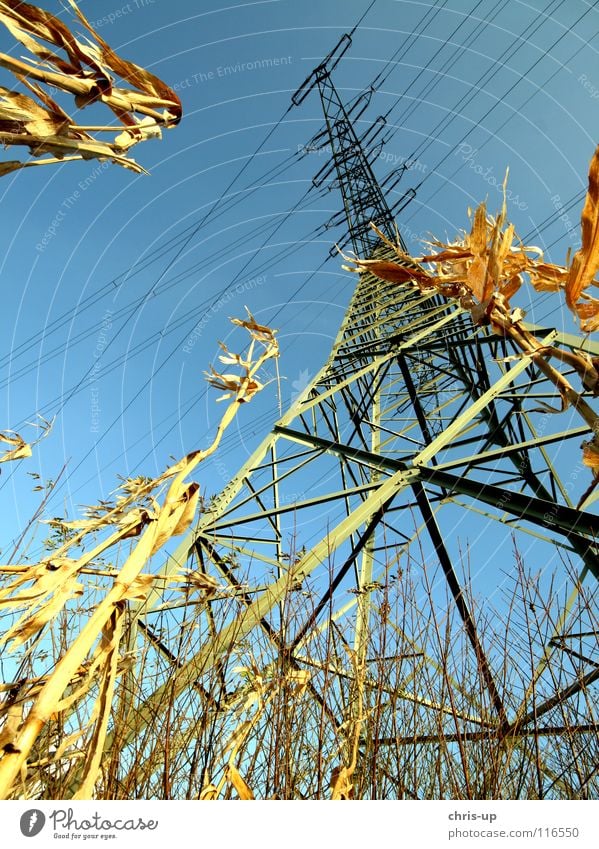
x: 44, y: 589
x: 483, y: 269
x: 86, y: 70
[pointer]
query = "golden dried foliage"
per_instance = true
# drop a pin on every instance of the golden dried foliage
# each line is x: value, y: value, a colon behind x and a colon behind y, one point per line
x: 17, y: 448
x: 234, y: 776
x: 341, y: 784
x: 485, y: 267
x: 91, y: 663
x: 586, y: 261
x: 88, y: 70
x: 242, y: 386
x: 252, y: 702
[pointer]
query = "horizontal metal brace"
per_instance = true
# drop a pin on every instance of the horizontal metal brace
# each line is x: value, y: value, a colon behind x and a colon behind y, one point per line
x: 558, y: 517
x: 292, y: 507
x: 498, y: 453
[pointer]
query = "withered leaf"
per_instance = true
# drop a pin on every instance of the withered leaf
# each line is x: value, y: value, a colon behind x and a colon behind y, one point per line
x: 20, y: 450
x: 590, y: 455
x: 586, y: 260
x: 208, y: 793
x: 341, y: 785
x: 392, y: 272
x: 238, y: 783
x: 140, y: 587
x: 86, y: 69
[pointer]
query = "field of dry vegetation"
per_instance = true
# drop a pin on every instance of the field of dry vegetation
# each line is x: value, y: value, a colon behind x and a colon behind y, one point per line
x: 79, y: 661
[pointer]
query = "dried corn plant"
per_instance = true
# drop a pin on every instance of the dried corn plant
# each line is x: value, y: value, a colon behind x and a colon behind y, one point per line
x: 483, y: 269
x: 260, y: 689
x: 341, y: 777
x: 16, y: 447
x: 86, y: 673
x: 424, y: 725
x: 88, y: 70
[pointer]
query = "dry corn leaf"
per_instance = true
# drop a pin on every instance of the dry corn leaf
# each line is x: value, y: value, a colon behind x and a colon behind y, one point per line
x: 509, y: 288
x: 13, y: 716
x: 297, y: 680
x: 24, y: 21
x: 476, y: 274
x: 189, y: 503
x: 20, y: 449
x: 238, y: 783
x: 240, y: 387
x: 143, y: 80
x: 31, y: 623
x: 87, y: 70
x: 341, y: 785
x: 590, y: 455
x: 500, y: 250
x: 21, y: 114
x: 143, y: 131
x: 392, y: 272
x: 208, y: 793
x: 588, y: 313
x: 79, y: 685
x: 547, y: 277
x: 238, y: 736
x: 176, y: 515
x: 45, y: 578
x: 258, y: 331
x: 139, y: 588
x: 202, y: 581
x: 586, y: 261
x: 131, y: 520
x: 13, y: 165
x: 111, y: 636
x: 449, y: 253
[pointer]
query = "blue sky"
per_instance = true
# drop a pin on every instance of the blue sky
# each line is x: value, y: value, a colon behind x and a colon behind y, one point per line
x: 115, y: 297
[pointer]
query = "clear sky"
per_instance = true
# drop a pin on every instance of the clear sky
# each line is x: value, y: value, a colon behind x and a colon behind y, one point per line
x: 116, y: 287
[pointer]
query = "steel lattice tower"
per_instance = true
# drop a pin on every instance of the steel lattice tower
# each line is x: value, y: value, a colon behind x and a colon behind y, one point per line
x: 422, y: 445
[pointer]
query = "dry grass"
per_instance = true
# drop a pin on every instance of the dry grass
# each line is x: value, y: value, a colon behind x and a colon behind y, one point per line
x: 408, y: 715
x: 87, y: 70
x: 86, y: 671
x: 263, y: 724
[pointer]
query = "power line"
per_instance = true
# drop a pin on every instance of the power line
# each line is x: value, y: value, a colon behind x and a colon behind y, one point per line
x: 449, y: 118
x: 145, y: 262
x: 83, y: 334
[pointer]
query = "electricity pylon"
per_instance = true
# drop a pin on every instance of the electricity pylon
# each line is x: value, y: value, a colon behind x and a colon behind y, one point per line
x: 424, y: 445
